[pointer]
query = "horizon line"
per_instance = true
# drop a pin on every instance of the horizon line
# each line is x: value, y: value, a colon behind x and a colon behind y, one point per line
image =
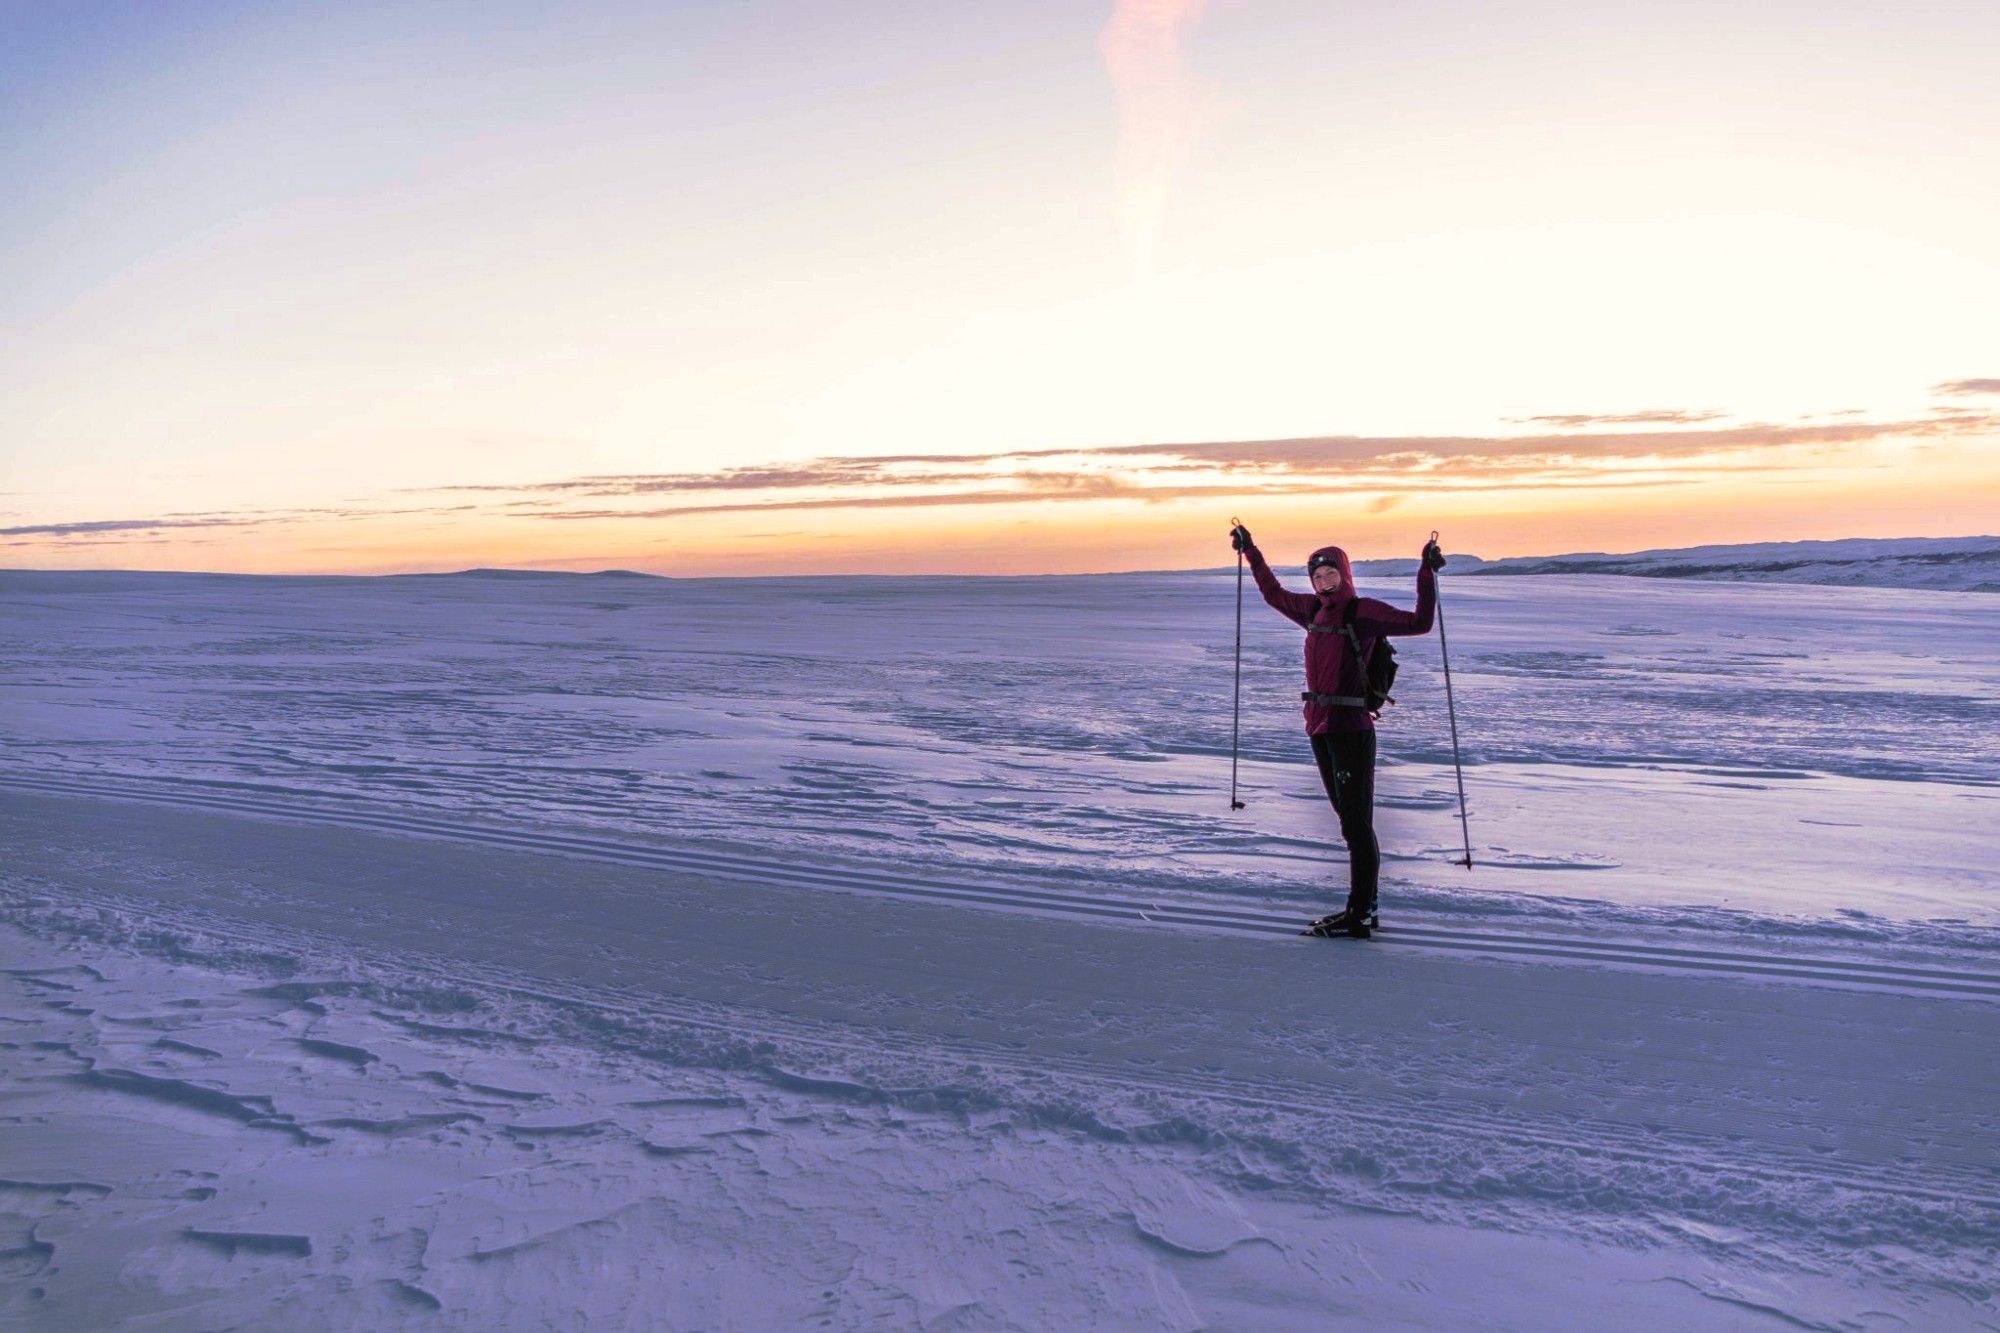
x: 962, y: 574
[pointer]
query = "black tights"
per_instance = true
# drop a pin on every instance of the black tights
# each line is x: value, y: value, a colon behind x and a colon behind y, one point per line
x: 1347, y: 767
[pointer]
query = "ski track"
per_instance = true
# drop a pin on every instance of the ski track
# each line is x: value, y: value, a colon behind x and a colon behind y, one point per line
x: 1609, y: 1140
x: 608, y: 1012
x: 1000, y: 896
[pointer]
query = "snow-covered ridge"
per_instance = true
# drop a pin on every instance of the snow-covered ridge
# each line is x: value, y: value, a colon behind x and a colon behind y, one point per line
x: 1966, y: 564
x: 1963, y: 564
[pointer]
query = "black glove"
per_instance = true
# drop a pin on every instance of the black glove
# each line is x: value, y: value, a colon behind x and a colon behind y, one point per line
x: 1239, y: 537
x: 1433, y: 558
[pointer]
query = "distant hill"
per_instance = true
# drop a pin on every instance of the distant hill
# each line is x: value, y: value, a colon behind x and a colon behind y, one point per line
x: 1966, y: 564
x: 491, y: 573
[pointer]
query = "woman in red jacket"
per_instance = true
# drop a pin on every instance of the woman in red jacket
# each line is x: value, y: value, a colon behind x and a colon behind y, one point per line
x: 1338, y: 722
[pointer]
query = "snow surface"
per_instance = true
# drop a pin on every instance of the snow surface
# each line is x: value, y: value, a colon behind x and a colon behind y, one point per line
x: 542, y: 950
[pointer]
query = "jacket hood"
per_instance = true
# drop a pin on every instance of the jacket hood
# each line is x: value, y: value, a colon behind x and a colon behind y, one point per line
x: 1339, y: 559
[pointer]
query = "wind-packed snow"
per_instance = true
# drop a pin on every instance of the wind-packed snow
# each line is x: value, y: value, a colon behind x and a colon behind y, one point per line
x: 514, y: 950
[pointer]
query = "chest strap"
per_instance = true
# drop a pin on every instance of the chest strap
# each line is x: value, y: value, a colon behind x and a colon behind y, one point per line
x: 1333, y: 700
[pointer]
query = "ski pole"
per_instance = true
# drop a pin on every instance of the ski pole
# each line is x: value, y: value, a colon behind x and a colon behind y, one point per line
x: 1236, y: 706
x: 1458, y: 769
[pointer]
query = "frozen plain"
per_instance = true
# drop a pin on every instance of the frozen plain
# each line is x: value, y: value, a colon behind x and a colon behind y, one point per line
x: 516, y: 950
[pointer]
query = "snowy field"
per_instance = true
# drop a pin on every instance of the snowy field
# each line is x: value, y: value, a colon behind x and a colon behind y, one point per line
x: 514, y: 950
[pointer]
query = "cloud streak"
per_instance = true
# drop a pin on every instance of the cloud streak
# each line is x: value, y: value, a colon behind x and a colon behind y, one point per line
x: 100, y: 527
x: 97, y: 532
x: 1150, y: 494
x: 1967, y: 388
x: 1377, y: 470
x: 1536, y: 457
x: 1665, y: 416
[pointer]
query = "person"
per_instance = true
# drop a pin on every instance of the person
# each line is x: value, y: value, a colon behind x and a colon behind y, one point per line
x: 1338, y: 723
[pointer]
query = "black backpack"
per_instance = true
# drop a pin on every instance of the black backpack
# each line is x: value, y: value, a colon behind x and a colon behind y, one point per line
x: 1380, y: 668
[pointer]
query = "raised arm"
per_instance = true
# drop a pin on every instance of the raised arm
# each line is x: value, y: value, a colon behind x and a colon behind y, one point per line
x: 1296, y: 606
x: 1381, y: 618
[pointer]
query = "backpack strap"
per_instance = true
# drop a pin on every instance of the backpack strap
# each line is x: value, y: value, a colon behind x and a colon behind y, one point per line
x: 1347, y: 627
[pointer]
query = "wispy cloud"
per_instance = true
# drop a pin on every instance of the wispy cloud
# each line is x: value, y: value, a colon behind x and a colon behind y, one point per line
x: 1661, y: 416
x: 1967, y: 388
x: 817, y: 472
x: 1376, y: 470
x: 97, y: 532
x: 99, y: 527
x: 1150, y: 494
x: 1092, y: 473
x: 1526, y: 453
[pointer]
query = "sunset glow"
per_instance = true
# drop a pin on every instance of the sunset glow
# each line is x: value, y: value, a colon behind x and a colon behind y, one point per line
x: 773, y: 290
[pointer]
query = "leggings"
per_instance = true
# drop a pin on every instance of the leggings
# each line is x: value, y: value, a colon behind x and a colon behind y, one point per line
x: 1347, y: 767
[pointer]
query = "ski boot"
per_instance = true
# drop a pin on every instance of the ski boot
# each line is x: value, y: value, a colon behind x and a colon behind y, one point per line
x: 1338, y: 923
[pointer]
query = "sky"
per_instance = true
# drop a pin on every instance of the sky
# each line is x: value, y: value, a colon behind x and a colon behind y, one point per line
x: 1031, y: 287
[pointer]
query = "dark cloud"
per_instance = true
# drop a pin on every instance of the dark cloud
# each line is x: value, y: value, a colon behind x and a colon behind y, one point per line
x: 134, y: 525
x: 97, y: 532
x: 124, y: 541
x: 1967, y: 388
x: 1664, y: 416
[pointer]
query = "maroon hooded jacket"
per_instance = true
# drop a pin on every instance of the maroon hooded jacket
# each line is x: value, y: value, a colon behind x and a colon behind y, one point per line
x: 1329, y: 669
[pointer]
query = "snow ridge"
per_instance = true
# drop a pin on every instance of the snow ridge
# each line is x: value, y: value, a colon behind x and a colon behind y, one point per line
x: 1497, y: 939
